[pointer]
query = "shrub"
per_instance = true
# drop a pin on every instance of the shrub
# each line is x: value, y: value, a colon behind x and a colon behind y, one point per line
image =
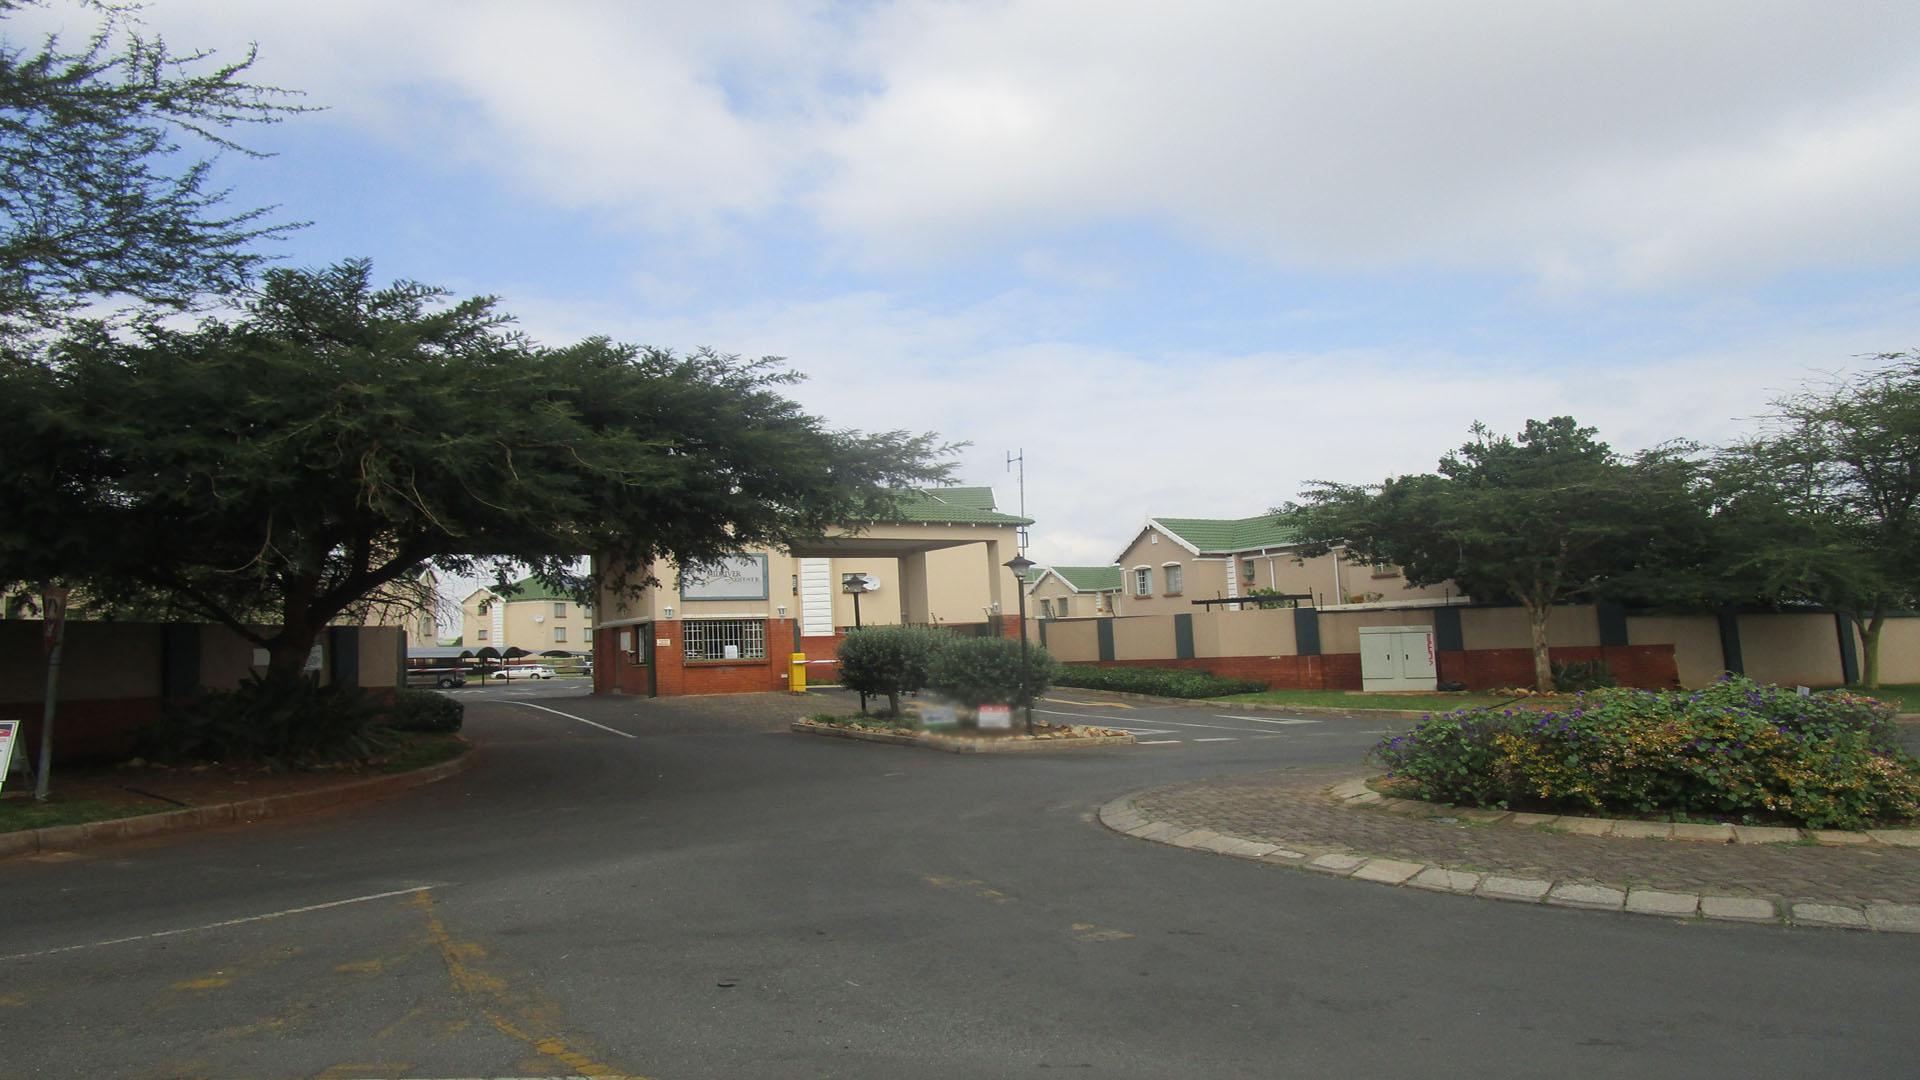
x: 890, y: 660
x: 983, y: 671
x: 1161, y: 682
x: 1573, y: 676
x: 1735, y: 749
x: 424, y: 710
x: 286, y: 724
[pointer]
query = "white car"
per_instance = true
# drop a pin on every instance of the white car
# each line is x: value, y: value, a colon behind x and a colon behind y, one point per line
x: 533, y: 671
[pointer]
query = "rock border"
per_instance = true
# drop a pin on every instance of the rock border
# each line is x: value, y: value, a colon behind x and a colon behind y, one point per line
x: 55, y: 838
x: 1361, y: 792
x: 1122, y: 816
x: 954, y: 744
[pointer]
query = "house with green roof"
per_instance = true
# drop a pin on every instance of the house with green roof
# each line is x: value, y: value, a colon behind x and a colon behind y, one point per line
x: 1173, y: 561
x: 1071, y: 592
x: 937, y: 556
x: 525, y: 615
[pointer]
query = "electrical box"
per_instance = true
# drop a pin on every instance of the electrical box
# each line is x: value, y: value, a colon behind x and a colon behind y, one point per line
x: 1397, y: 658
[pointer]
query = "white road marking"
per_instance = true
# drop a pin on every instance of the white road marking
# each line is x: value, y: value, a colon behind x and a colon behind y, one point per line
x: 1219, y: 738
x: 1155, y: 742
x: 228, y: 922
x: 570, y: 716
x: 1263, y: 720
x: 1156, y: 720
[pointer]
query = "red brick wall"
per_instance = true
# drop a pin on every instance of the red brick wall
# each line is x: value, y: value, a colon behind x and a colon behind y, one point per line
x: 104, y: 729
x: 677, y: 676
x: 1649, y: 666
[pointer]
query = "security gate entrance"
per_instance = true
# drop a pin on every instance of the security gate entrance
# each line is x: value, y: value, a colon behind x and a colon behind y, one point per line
x: 1397, y: 658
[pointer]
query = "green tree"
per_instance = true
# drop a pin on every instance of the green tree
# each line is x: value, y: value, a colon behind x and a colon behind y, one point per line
x: 1824, y: 505
x: 1550, y: 517
x: 277, y: 468
x: 890, y: 660
x: 96, y: 196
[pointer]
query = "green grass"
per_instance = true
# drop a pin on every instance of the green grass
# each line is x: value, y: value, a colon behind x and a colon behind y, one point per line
x: 1906, y: 696
x: 16, y: 814
x: 1358, y: 702
x: 420, y: 750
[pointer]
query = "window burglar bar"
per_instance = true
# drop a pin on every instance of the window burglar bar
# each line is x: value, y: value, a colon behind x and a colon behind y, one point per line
x: 708, y: 639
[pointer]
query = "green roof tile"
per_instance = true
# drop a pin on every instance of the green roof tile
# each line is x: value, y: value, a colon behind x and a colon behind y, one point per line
x: 1231, y: 534
x: 952, y: 506
x: 1090, y: 578
x: 529, y: 588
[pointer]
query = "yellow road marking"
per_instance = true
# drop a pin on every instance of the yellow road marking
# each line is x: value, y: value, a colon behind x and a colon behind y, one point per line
x: 493, y: 996
x: 1084, y: 931
x: 210, y: 983
x: 1088, y: 704
x: 10, y: 1000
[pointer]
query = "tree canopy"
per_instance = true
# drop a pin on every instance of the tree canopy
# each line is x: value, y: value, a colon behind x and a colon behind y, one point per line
x: 97, y: 197
x: 276, y: 468
x: 1552, y: 516
x: 1823, y: 506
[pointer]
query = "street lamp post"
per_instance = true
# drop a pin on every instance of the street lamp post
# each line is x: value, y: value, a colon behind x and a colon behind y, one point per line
x: 1020, y: 564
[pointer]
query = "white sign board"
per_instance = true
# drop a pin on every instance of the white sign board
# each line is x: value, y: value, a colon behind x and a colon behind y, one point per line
x: 934, y: 716
x: 737, y: 577
x: 8, y: 730
x: 996, y: 717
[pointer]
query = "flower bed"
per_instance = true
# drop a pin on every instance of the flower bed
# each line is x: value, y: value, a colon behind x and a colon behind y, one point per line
x: 970, y: 740
x: 1735, y: 751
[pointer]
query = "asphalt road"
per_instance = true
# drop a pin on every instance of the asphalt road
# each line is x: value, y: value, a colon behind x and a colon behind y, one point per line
x: 655, y: 889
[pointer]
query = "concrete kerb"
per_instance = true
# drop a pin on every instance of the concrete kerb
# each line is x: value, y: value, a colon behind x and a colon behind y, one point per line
x: 1123, y: 816
x: 94, y: 833
x: 1257, y: 706
x: 961, y: 745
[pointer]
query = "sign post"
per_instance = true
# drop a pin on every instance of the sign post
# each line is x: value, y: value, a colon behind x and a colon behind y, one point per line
x: 54, y: 635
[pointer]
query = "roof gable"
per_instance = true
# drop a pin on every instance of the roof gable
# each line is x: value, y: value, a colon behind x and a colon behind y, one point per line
x: 1229, y: 534
x: 1088, y: 578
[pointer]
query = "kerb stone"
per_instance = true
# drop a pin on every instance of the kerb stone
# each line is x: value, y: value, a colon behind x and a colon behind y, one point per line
x: 1387, y: 871
x: 1738, y: 909
x: 1656, y: 902
x: 1829, y: 915
x: 1439, y: 879
x: 1591, y: 897
x: 1522, y: 890
x: 1895, y: 918
x: 1341, y: 865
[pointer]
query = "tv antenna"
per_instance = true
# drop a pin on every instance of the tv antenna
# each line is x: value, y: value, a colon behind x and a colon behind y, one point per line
x: 1019, y: 458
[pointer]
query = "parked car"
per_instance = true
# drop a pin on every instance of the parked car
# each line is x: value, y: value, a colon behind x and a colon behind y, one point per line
x: 443, y: 678
x: 529, y: 671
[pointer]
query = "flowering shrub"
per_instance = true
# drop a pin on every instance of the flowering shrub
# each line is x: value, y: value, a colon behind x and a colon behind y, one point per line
x: 1735, y: 749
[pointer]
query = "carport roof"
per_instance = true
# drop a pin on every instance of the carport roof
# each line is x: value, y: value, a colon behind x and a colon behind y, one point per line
x: 951, y: 506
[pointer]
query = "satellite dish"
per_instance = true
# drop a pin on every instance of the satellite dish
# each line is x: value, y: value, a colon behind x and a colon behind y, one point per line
x: 870, y: 583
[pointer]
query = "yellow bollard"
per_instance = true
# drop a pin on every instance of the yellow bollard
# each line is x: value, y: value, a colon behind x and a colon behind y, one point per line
x: 797, y: 674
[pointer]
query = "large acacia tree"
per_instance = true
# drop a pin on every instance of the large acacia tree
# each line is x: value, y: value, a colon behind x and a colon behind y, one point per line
x: 98, y: 195
x: 271, y: 471
x: 1823, y: 506
x: 1550, y: 517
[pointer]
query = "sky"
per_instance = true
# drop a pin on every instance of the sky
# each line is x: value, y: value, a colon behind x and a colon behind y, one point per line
x: 1185, y: 257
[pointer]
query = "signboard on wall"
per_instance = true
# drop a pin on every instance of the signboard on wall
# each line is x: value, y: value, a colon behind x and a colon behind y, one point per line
x: 736, y: 577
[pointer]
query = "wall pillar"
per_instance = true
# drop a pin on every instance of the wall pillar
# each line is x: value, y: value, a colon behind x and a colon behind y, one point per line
x: 996, y: 595
x: 916, y: 605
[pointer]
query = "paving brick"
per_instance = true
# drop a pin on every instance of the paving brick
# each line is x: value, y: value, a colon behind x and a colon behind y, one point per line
x: 1706, y: 834
x: 1584, y: 826
x: 1898, y: 918
x: 1526, y: 890
x: 1642, y: 830
x: 1829, y: 915
x: 1337, y: 864
x: 1838, y: 837
x: 1656, y: 902
x: 1440, y: 879
x: 1593, y: 897
x: 1765, y: 834
x: 1899, y: 837
x: 1738, y: 908
x: 1387, y: 871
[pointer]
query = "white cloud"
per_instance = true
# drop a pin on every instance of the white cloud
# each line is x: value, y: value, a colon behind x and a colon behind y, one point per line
x: 1581, y: 145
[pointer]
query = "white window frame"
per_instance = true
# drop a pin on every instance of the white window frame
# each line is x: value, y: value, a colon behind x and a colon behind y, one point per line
x: 1174, y: 578
x: 559, y: 610
x: 1143, y: 585
x: 559, y: 635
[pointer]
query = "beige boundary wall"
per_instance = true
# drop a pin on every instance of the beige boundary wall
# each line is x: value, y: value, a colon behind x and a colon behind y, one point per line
x: 1787, y: 648
x: 116, y: 677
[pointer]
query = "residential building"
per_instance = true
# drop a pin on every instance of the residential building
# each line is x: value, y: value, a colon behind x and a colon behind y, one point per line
x: 1172, y: 562
x: 525, y: 615
x: 1070, y: 592
x: 939, y: 560
x: 412, y: 604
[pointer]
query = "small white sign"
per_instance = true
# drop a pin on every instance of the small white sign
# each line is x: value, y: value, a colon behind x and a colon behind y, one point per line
x: 996, y: 717
x: 663, y: 643
x: 1803, y: 691
x: 933, y: 716
x: 314, y: 657
x: 260, y: 658
x: 626, y: 641
x: 730, y: 652
x: 8, y: 729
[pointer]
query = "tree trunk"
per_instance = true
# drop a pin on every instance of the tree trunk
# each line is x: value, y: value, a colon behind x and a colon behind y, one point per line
x: 1870, y: 646
x: 1542, y: 665
x: 287, y: 655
